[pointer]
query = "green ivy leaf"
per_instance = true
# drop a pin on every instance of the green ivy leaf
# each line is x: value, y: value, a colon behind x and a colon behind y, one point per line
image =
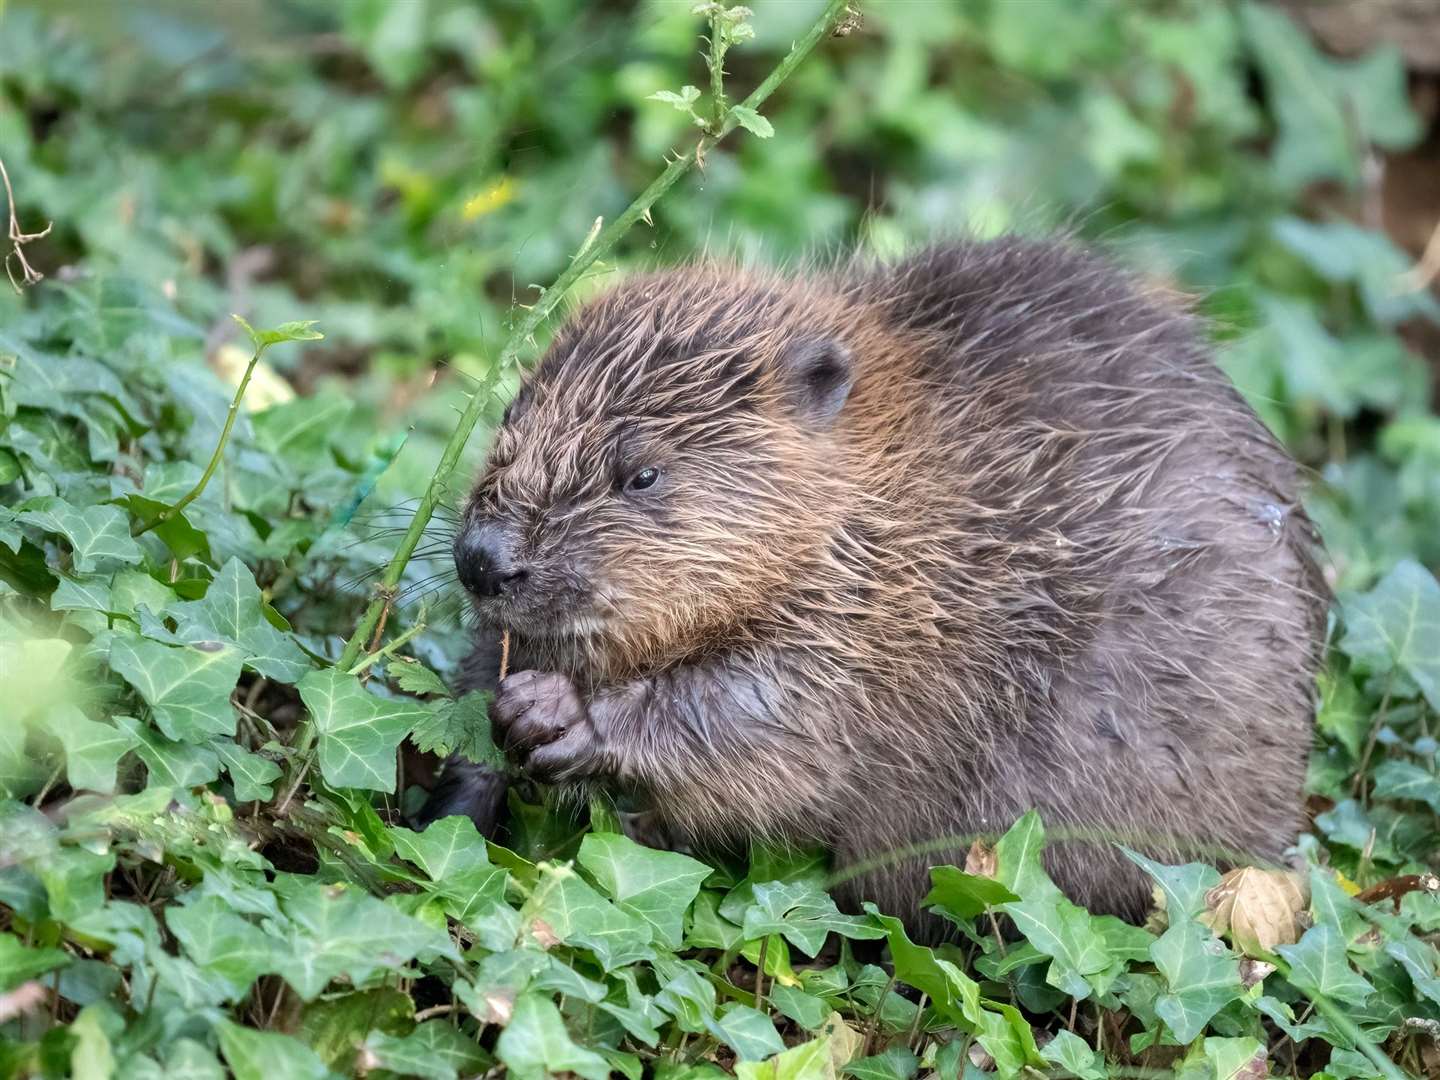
x: 170, y: 764
x: 187, y: 687
x: 224, y: 944
x: 535, y: 1044
x: 251, y: 774
x: 98, y: 535
x: 1063, y: 932
x: 232, y: 611
x: 1184, y: 887
x: 358, y: 732
x: 960, y: 897
x: 657, y: 886
x: 1236, y: 1058
x: 265, y: 1055
x: 1074, y: 1055
x: 803, y: 914
x: 578, y: 915
x: 1406, y: 780
x: 19, y: 963
x: 1318, y: 965
x: 1201, y: 974
x: 1396, y: 625
x: 434, y: 1050
x: 747, y: 1031
x: 752, y: 121
x: 892, y: 1063
x: 808, y: 1061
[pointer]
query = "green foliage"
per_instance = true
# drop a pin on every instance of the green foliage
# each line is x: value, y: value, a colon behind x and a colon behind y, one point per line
x: 220, y: 878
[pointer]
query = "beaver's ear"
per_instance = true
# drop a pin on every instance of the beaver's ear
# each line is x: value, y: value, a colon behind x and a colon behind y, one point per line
x: 818, y: 373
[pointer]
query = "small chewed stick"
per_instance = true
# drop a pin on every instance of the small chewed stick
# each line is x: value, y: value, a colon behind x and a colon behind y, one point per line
x: 504, y: 654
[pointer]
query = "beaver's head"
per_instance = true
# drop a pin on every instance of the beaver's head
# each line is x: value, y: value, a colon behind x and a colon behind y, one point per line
x: 664, y: 469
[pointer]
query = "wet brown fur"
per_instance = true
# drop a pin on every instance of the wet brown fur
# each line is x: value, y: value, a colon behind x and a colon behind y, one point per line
x: 1044, y: 556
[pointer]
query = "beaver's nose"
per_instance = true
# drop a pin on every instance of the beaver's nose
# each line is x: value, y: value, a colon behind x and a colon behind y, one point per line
x: 486, y: 559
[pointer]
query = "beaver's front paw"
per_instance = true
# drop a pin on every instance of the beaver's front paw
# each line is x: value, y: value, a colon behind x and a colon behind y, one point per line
x: 539, y: 720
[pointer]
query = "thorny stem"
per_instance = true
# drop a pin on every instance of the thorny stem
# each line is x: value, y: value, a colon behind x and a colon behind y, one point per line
x: 19, y: 238
x: 520, y: 337
x: 380, y: 654
x: 716, y: 63
x: 219, y: 454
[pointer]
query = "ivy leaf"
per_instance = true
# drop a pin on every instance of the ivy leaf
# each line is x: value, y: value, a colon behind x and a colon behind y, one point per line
x: 251, y: 774
x: 1202, y: 976
x: 187, y: 687
x: 358, y: 732
x: 803, y: 914
x: 224, y: 944
x: 576, y: 914
x: 1073, y: 1054
x: 535, y: 1044
x: 1241, y: 1058
x: 1184, y: 887
x: 1318, y: 965
x: 749, y: 1032
x: 265, y: 1055
x: 97, y: 534
x: 1406, y: 780
x: 960, y: 897
x: 808, y: 1061
x: 892, y: 1063
x: 752, y: 121
x: 434, y: 1050
x: 233, y: 611
x: 92, y: 750
x: 1396, y: 625
x: 657, y: 886
x: 452, y: 853
x: 1063, y: 932
x: 1017, y: 859
x: 19, y: 963
x: 952, y: 993
x: 341, y: 931
x: 170, y: 764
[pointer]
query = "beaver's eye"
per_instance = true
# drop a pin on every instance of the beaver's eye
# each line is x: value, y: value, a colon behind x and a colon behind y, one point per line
x: 643, y: 479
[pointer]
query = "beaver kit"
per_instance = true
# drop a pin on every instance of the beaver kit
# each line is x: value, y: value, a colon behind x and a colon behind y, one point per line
x: 896, y: 553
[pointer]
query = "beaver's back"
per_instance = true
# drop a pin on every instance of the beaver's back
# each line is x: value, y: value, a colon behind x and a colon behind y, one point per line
x: 1134, y: 536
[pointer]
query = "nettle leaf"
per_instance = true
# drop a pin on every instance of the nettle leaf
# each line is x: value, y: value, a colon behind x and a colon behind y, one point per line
x: 224, y: 944
x: 535, y: 1044
x: 461, y: 727
x: 434, y: 1050
x: 290, y: 331
x: 233, y: 611
x: 1202, y: 975
x: 803, y: 914
x: 752, y: 121
x: 657, y: 886
x: 92, y: 749
x: 187, y: 687
x: 98, y: 535
x: 358, y: 732
x: 1396, y: 625
x: 265, y: 1055
x: 415, y: 678
x: 1319, y: 965
x: 576, y: 914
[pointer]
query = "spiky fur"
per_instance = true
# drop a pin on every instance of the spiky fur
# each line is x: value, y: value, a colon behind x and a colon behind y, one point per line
x: 1044, y: 556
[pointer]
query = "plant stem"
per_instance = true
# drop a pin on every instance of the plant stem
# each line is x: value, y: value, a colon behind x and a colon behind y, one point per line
x: 519, y: 338
x: 716, y: 63
x: 217, y: 456
x: 1346, y: 1026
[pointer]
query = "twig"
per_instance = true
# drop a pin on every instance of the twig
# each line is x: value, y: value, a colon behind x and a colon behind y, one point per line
x: 1426, y: 270
x: 504, y: 654
x: 18, y: 239
x: 760, y: 974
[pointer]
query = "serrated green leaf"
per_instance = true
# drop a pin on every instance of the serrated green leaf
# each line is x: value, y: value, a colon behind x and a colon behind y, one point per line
x: 657, y: 886
x: 98, y: 535
x: 187, y: 687
x: 461, y: 727
x: 415, y: 678
x: 752, y: 121
x: 535, y: 1044
x: 290, y: 331
x: 358, y: 732
x: 265, y: 1055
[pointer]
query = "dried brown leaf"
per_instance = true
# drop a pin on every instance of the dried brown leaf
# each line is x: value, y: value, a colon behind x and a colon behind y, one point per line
x: 980, y: 860
x: 1256, y: 908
